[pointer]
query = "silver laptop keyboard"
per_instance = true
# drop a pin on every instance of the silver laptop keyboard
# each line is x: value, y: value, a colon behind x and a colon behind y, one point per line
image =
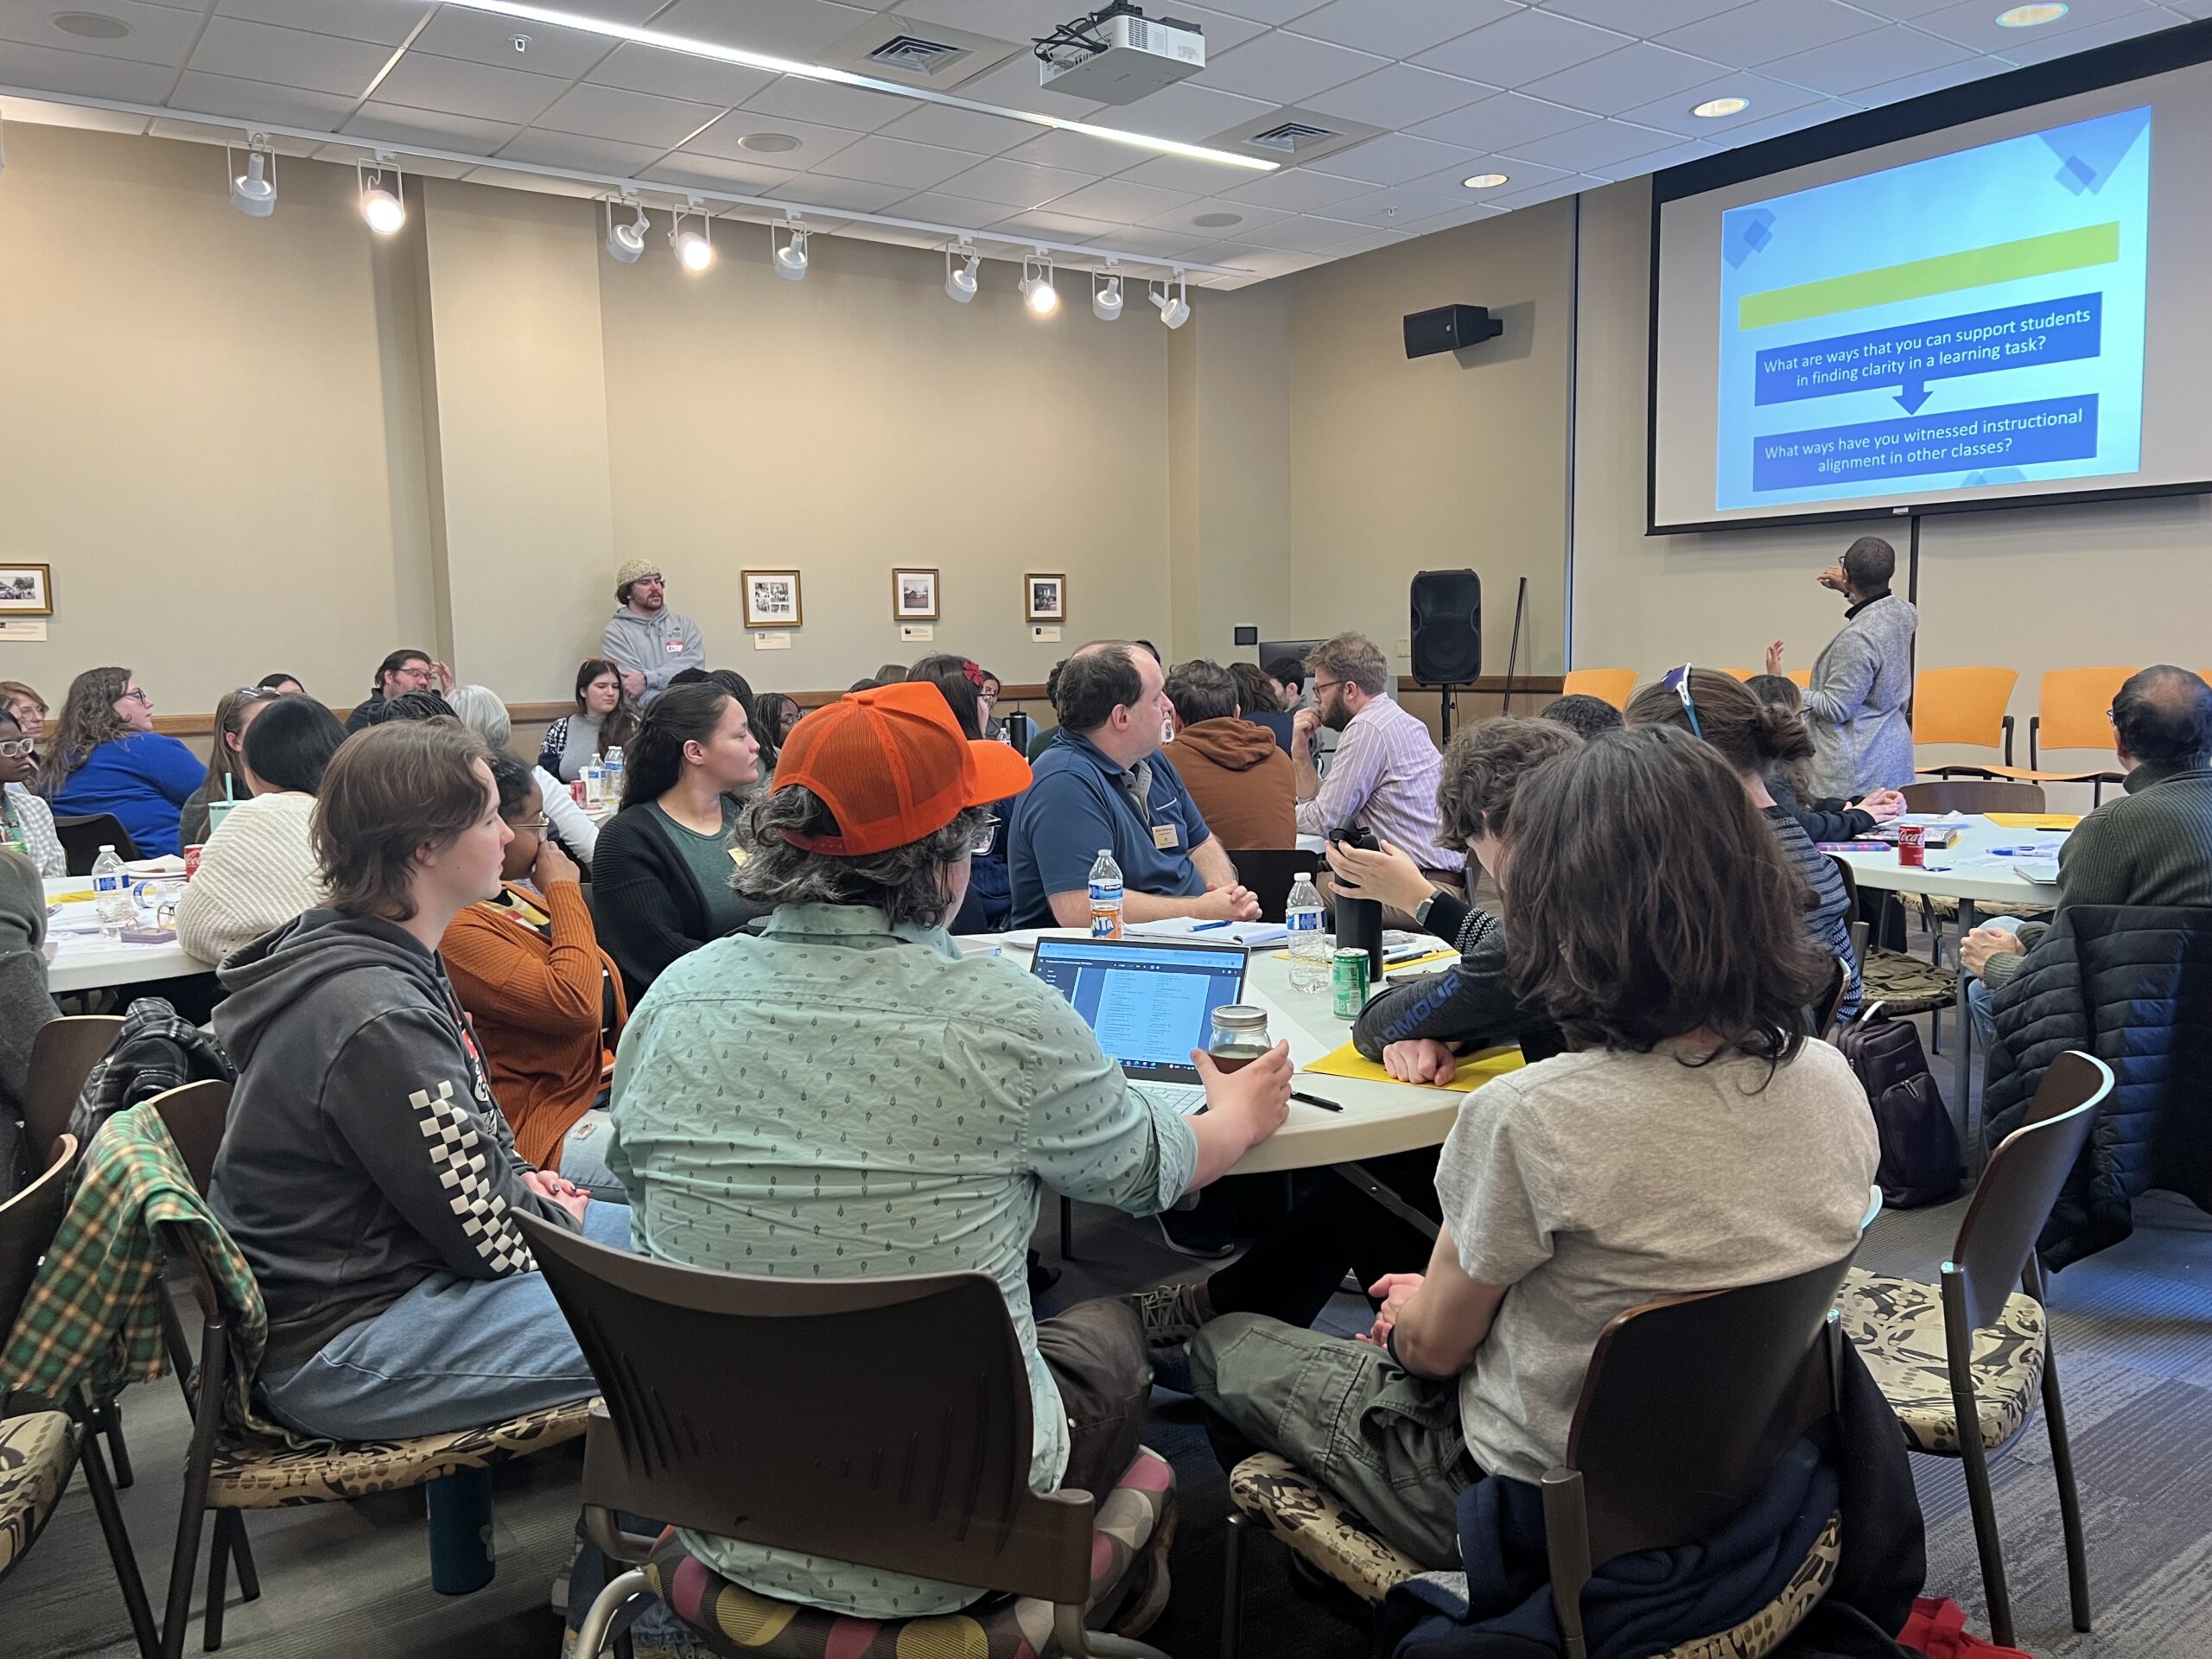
x: 1183, y: 1099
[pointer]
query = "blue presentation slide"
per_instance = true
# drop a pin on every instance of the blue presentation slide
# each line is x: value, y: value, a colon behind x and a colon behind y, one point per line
x: 1969, y: 319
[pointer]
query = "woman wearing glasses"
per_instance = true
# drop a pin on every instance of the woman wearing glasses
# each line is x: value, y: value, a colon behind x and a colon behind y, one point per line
x: 103, y: 755
x: 26, y: 822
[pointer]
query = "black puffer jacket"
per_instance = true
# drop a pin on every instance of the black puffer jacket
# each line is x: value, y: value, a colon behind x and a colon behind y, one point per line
x: 2131, y: 984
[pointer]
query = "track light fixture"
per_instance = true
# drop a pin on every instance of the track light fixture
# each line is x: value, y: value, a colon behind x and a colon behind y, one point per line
x: 960, y: 280
x: 384, y: 206
x: 1106, y: 293
x: 790, y: 258
x: 627, y: 242
x: 695, y: 250
x: 1177, y: 311
x: 253, y: 188
x: 1037, y: 284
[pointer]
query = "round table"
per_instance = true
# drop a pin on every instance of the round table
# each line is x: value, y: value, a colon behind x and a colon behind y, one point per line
x: 78, y: 958
x: 1975, y: 871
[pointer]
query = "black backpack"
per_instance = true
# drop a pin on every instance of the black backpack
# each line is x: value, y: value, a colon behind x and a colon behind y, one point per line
x: 1921, y: 1162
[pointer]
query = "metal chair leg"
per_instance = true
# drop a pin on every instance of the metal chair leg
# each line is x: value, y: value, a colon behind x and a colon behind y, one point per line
x: 219, y: 1562
x: 102, y: 1490
x: 1984, y: 1506
x: 620, y: 1590
x: 242, y: 1558
x: 118, y: 1454
x: 1232, y: 1593
x: 2069, y: 1500
x: 1067, y: 1228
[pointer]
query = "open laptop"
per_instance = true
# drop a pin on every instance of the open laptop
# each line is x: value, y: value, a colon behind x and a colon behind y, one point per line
x: 1150, y: 1001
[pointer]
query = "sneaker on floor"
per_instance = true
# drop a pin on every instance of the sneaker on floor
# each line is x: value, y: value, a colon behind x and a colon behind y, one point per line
x: 1194, y: 1233
x: 1170, y: 1313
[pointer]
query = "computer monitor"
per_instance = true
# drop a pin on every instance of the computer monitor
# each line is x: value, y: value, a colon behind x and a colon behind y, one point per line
x: 1150, y: 1001
x: 1267, y: 650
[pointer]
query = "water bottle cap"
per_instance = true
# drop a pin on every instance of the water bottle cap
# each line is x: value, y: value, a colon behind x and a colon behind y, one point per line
x: 106, y: 849
x: 1305, y: 875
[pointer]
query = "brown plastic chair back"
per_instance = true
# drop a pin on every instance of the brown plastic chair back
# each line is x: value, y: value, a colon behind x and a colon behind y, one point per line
x: 194, y: 1114
x: 27, y: 1223
x: 1613, y: 685
x: 1972, y: 795
x: 1962, y: 705
x: 63, y: 1055
x: 2021, y: 1182
x: 880, y: 1421
x: 2073, y: 708
x: 1689, y: 1401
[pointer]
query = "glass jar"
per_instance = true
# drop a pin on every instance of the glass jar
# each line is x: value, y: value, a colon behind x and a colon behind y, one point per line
x: 1238, y: 1035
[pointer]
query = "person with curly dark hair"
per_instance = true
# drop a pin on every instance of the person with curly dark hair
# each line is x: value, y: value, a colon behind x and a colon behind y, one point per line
x: 103, y: 755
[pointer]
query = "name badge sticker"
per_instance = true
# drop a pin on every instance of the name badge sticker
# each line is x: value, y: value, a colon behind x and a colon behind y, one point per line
x: 1166, y: 836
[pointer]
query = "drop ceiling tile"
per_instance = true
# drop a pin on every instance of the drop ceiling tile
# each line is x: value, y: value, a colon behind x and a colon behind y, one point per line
x: 627, y: 117
x: 257, y: 100
x: 1398, y: 95
x: 1634, y: 74
x: 2127, y: 27
x: 716, y: 173
x: 451, y: 86
x: 1185, y: 111
x: 1767, y: 97
x: 1183, y: 173
x: 1119, y: 199
x: 1395, y: 210
x: 1078, y: 152
x: 396, y: 123
x: 1519, y: 176
x: 829, y: 105
x: 1773, y: 126
x: 1766, y: 30
x: 1236, y: 219
x: 156, y: 33
x: 981, y: 134
x: 1308, y: 234
x: 1498, y: 122
x: 1901, y: 9
x: 40, y: 113
x: 1155, y: 244
x: 484, y: 37
x: 1394, y: 158
x: 1285, y: 68
x: 674, y: 74
x: 789, y: 29
x: 1049, y: 227
x: 288, y: 57
x: 1551, y: 190
x: 1525, y: 46
x: 725, y: 138
x: 888, y: 160
x: 1013, y: 85
x: 1644, y: 18
x: 1887, y: 54
x: 1401, y: 27
x: 345, y: 154
x: 1973, y: 23
x: 1295, y: 191
x: 41, y: 68
x: 2199, y: 9
x: 1451, y: 219
x: 1015, y: 184
x: 1639, y: 167
x: 959, y: 212
x: 381, y: 20
x: 1929, y: 80
x: 1267, y: 11
x: 1599, y: 144
x: 540, y: 184
x: 543, y: 148
x: 1222, y: 29
x: 1002, y: 20
x: 853, y: 196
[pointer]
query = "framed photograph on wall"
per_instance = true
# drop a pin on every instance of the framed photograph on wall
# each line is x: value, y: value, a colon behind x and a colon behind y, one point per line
x: 26, y: 590
x: 1044, y: 596
x: 771, y: 599
x: 913, y: 596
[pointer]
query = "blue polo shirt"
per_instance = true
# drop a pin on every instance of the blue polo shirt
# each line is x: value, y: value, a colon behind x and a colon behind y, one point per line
x: 1074, y: 805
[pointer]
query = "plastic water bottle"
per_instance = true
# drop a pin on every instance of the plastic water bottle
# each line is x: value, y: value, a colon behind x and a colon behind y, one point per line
x: 1105, y: 897
x: 112, y: 894
x: 1310, y: 951
x: 610, y: 774
x: 594, y: 783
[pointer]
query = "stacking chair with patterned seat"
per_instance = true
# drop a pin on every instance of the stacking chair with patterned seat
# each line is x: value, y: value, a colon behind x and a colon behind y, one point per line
x: 1900, y: 982
x: 1686, y: 1407
x: 1961, y: 1363
x: 880, y: 1421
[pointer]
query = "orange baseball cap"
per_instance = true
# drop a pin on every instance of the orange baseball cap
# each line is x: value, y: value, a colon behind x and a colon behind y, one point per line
x: 894, y: 766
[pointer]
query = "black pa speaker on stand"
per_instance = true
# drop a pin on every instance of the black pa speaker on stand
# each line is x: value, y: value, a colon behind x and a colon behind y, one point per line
x: 1447, y: 631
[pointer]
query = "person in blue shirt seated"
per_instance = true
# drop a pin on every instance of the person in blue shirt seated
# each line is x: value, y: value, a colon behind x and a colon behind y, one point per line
x: 1103, y: 782
x: 104, y: 756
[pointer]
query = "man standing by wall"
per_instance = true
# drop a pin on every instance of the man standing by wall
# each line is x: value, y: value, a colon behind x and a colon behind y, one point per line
x: 1862, y: 681
x: 650, y: 643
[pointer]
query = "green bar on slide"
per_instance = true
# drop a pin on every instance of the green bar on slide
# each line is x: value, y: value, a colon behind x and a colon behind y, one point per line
x: 1918, y: 279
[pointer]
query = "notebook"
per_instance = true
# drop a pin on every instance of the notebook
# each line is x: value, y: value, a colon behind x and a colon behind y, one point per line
x: 1149, y: 1002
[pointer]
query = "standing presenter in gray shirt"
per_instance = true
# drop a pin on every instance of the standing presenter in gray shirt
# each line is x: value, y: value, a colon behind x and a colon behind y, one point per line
x: 649, y: 642
x: 1862, y: 681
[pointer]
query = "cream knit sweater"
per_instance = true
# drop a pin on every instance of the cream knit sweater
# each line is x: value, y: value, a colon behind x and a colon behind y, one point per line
x: 257, y: 871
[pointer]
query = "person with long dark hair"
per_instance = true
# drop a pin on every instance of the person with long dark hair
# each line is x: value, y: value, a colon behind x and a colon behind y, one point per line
x: 990, y: 891
x: 226, y: 780
x: 605, y: 717
x: 103, y: 755
x: 661, y: 874
x: 1695, y: 1140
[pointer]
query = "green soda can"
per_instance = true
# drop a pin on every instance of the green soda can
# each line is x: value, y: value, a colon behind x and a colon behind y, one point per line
x: 1348, y: 978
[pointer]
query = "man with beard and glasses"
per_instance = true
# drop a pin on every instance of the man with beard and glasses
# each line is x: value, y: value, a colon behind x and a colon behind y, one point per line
x: 647, y: 641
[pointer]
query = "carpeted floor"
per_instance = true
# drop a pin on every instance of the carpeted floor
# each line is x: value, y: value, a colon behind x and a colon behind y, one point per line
x: 2134, y: 1335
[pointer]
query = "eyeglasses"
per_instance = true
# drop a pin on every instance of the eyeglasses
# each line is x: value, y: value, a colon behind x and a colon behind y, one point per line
x: 134, y: 695
x: 1321, y: 686
x: 986, y: 833
x: 1677, y: 680
x: 12, y: 747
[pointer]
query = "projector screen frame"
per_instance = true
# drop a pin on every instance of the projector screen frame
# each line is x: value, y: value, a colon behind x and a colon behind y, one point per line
x: 2092, y: 71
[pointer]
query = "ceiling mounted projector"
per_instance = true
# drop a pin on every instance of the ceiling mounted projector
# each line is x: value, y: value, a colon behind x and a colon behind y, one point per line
x: 1117, y: 56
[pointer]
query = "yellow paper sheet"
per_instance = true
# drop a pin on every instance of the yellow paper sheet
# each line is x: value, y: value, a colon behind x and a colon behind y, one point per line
x: 1431, y: 960
x: 2034, y: 820
x: 73, y: 896
x: 1475, y: 1069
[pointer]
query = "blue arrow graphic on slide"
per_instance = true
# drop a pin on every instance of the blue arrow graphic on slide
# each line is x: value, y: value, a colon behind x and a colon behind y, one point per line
x: 1914, y: 394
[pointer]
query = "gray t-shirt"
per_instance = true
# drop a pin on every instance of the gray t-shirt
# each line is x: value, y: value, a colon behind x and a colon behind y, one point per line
x: 1596, y: 1182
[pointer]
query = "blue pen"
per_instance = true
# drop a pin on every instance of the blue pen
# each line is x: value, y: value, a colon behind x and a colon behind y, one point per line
x: 1208, y: 927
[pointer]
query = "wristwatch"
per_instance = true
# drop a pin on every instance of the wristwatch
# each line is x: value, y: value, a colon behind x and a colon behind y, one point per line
x: 1421, y: 910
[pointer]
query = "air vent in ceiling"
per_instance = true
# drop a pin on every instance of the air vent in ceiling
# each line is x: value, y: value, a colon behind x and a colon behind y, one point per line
x: 916, y: 51
x: 1292, y: 136
x: 916, y: 54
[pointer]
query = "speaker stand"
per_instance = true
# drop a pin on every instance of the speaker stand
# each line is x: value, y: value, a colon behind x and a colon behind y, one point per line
x: 1512, y: 651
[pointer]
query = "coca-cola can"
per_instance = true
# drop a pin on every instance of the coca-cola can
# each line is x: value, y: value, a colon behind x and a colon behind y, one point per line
x: 576, y: 791
x: 192, y: 859
x: 1912, y: 846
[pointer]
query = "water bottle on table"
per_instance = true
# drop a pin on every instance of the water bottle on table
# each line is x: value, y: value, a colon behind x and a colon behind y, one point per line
x: 1105, y: 897
x: 1310, y: 947
x: 610, y: 781
x: 112, y: 894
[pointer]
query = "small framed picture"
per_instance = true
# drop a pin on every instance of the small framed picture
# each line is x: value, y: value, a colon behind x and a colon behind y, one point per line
x: 1044, y: 596
x: 26, y: 590
x: 771, y: 599
x: 913, y: 596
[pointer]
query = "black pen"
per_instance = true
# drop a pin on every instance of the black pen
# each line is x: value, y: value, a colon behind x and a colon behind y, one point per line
x: 1316, y: 1100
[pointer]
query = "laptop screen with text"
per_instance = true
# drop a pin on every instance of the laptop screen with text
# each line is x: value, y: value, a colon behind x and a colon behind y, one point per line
x: 1149, y: 1002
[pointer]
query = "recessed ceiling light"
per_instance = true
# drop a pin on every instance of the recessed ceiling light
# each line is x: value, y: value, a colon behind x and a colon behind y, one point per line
x: 1714, y: 108
x: 97, y: 26
x: 1486, y: 181
x: 767, y: 143
x: 1218, y: 221
x: 2029, y: 16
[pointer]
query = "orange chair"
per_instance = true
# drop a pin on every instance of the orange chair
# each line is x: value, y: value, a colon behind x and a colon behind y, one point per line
x: 1964, y: 705
x: 2073, y: 712
x: 1802, y: 679
x: 1613, y: 685
x: 1741, y: 673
